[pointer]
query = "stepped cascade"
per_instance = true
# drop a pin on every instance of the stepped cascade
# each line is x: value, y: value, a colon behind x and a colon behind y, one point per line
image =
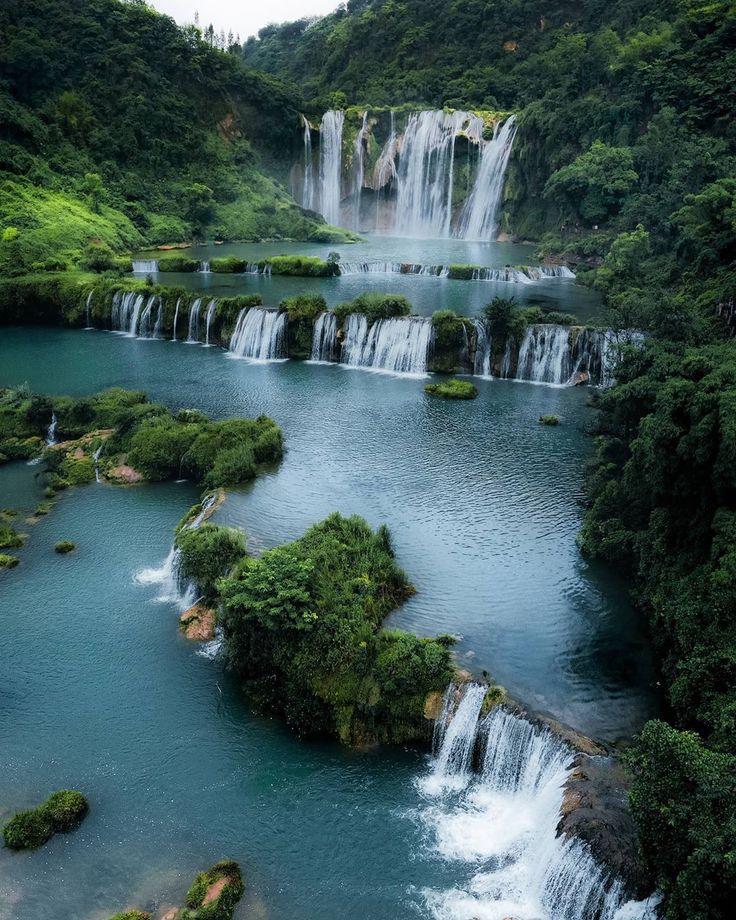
x: 493, y: 795
x: 416, y: 168
x: 525, y: 275
x: 558, y: 355
x: 145, y: 266
x: 259, y: 335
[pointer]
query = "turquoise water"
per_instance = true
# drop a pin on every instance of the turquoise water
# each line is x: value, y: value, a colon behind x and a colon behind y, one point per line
x: 100, y: 692
x: 425, y: 293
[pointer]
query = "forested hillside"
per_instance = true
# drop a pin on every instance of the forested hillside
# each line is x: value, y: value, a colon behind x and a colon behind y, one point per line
x: 120, y: 126
x: 624, y: 162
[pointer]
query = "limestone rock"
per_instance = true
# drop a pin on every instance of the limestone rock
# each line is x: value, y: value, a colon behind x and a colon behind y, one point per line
x: 198, y: 623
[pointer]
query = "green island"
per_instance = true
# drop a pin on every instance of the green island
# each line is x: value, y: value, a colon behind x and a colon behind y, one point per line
x: 298, y: 196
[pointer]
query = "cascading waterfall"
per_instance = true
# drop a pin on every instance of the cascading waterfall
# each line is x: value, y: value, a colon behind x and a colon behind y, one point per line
x: 399, y: 345
x: 126, y: 309
x: 482, y: 358
x: 260, y: 335
x: 479, y: 218
x: 51, y: 438
x: 324, y: 338
x: 193, y: 334
x: 176, y: 317
x: 359, y: 169
x: 330, y: 165
x: 87, y: 310
x: 146, y: 327
x: 501, y: 821
x: 545, y: 355
x: 211, y: 307
x: 145, y: 266
x: 174, y: 588
x: 308, y: 185
x: 507, y: 275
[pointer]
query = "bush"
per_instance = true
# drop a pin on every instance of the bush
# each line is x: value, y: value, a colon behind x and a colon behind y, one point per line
x: 304, y: 307
x: 462, y: 272
x: 28, y: 829
x: 98, y: 257
x: 374, y: 306
x: 66, y: 809
x: 65, y: 546
x: 132, y: 915
x: 452, y: 389
x: 9, y: 538
x: 177, y: 264
x: 208, y: 553
x: 549, y: 419
x: 8, y: 562
x: 301, y: 266
x: 228, y: 265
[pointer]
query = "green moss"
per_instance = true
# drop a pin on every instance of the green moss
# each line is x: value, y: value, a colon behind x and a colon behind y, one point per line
x: 452, y: 389
x: 28, y: 830
x: 208, y: 553
x: 549, y: 419
x: 223, y: 906
x: 66, y: 808
x: 133, y: 915
x: 462, y: 272
x: 448, y: 340
x: 65, y: 546
x: 228, y: 265
x: 374, y: 306
x: 8, y: 562
x: 77, y: 472
x: 9, y: 538
x: 495, y: 696
x: 301, y: 266
x: 43, y: 509
x: 177, y: 264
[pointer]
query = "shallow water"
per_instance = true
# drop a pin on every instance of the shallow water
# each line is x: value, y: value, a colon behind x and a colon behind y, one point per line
x: 425, y: 293
x: 100, y: 692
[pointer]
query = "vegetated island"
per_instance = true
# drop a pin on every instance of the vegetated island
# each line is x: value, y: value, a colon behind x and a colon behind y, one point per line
x: 62, y: 811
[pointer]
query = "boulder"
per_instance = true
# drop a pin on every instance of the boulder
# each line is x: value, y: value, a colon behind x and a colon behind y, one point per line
x: 580, y: 379
x: 124, y: 474
x: 198, y: 623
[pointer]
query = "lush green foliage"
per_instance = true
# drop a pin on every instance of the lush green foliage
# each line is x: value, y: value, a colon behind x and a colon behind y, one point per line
x: 132, y: 915
x: 304, y: 307
x: 375, y: 306
x: 207, y: 553
x: 301, y: 266
x: 303, y: 627
x: 221, y: 907
x: 9, y: 538
x: 177, y: 264
x: 8, y: 562
x: 452, y: 389
x: 448, y: 340
x: 61, y: 812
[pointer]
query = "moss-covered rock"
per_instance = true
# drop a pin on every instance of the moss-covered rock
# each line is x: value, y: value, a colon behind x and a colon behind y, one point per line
x: 9, y: 537
x: 177, y: 264
x: 452, y: 389
x: 66, y: 808
x: 8, y: 562
x: 61, y: 812
x: 495, y: 696
x: 549, y: 420
x: 133, y: 915
x: 215, y: 893
x: 65, y: 546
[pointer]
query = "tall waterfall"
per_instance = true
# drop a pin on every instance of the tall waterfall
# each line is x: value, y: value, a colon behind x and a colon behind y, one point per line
x: 545, y: 355
x: 482, y: 359
x: 330, y: 165
x: 359, y: 169
x: 145, y: 266
x: 193, y: 334
x: 399, y: 345
x: 308, y: 185
x: 500, y: 820
x: 87, y: 317
x: 211, y: 307
x: 126, y: 309
x: 479, y: 218
x: 260, y: 335
x: 324, y: 338
x: 147, y: 324
x: 176, y: 317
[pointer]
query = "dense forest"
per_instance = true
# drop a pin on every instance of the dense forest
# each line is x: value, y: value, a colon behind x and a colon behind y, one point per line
x: 120, y: 126
x: 625, y: 162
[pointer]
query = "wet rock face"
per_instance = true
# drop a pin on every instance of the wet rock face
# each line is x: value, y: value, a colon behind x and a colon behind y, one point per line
x: 595, y: 808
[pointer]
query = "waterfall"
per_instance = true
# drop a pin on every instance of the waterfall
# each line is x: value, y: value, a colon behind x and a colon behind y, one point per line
x: 482, y: 359
x: 425, y: 173
x: 210, y: 314
x: 253, y: 268
x: 260, y: 335
x: 501, y: 822
x: 384, y: 172
x: 174, y: 588
x: 125, y: 311
x: 479, y: 218
x: 193, y: 335
x: 392, y: 268
x: 545, y: 355
x: 51, y: 438
x: 145, y: 266
x: 330, y: 164
x: 146, y: 327
x: 359, y: 169
x: 204, y: 268
x: 96, y: 458
x: 399, y: 345
x: 506, y: 275
x: 324, y: 338
x: 308, y: 185
x: 176, y: 317
x: 87, y: 310
x: 159, y: 318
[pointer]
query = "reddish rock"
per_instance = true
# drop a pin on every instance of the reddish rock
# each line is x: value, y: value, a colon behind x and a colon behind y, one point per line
x: 198, y: 623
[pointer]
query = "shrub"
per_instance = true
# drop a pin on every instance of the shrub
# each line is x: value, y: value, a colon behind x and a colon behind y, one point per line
x: 302, y: 266
x: 304, y: 307
x: 98, y: 257
x: 66, y: 808
x: 549, y: 419
x: 452, y: 389
x: 177, y: 264
x: 65, y: 546
x: 228, y: 265
x: 462, y: 272
x: 9, y: 538
x: 208, y: 553
x: 374, y: 306
x: 132, y: 915
x: 28, y: 829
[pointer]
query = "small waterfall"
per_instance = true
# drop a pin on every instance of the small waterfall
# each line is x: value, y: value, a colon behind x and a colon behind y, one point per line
x: 125, y: 311
x: 146, y: 327
x: 193, y: 334
x: 545, y: 355
x: 324, y: 338
x: 308, y: 185
x: 204, y: 268
x: 210, y: 315
x: 87, y: 310
x: 392, y: 268
x: 330, y: 165
x: 51, y: 438
x: 479, y: 218
x: 145, y: 266
x: 96, y: 458
x: 399, y: 345
x: 482, y: 359
x: 501, y: 822
x: 174, y: 588
x: 359, y: 169
x: 253, y: 268
x: 260, y: 335
x: 506, y: 275
x: 176, y: 317
x: 159, y: 318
